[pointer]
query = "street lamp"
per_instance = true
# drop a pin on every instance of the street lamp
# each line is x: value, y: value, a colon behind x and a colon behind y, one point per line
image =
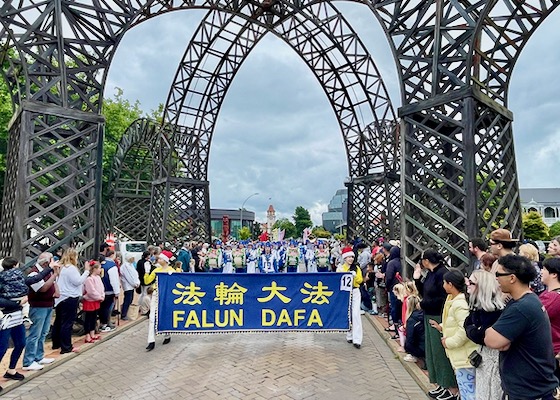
x: 242, y: 206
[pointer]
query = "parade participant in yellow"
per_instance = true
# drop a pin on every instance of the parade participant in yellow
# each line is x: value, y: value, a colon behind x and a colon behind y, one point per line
x: 355, y: 333
x: 322, y: 257
x: 149, y: 278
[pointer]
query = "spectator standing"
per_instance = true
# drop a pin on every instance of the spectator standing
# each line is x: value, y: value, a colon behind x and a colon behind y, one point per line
x: 551, y: 302
x: 185, y: 256
x: 143, y: 266
x: 457, y: 345
x: 94, y: 293
x: 487, y: 261
x: 532, y: 254
x: 428, y: 275
x: 477, y: 247
x: 554, y: 247
x: 486, y: 304
x: 364, y: 256
x: 129, y: 281
x: 111, y: 282
x: 70, y: 284
x: 11, y: 326
x: 523, y: 335
x: 391, y: 279
x: 501, y: 244
x: 41, y: 301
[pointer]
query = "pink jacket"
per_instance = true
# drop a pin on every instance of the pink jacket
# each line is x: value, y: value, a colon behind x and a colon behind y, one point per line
x: 93, y: 288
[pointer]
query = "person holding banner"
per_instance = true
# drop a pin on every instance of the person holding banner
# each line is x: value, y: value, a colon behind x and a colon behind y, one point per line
x: 355, y: 333
x: 163, y: 266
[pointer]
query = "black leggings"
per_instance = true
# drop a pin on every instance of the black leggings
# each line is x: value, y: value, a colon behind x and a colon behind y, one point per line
x: 90, y: 320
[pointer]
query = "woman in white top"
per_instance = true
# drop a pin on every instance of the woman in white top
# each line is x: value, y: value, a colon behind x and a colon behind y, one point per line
x: 70, y: 284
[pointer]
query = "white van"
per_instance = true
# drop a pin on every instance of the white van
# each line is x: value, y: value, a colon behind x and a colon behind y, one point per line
x: 132, y: 248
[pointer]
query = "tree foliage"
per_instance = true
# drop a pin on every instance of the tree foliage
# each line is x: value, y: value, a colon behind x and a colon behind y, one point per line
x: 6, y: 113
x: 286, y: 225
x: 244, y: 233
x: 257, y: 231
x: 302, y: 220
x: 534, y: 227
x: 554, y: 229
x: 321, y: 232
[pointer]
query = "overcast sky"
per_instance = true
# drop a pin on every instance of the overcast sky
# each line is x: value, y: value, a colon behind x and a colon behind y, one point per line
x: 276, y: 133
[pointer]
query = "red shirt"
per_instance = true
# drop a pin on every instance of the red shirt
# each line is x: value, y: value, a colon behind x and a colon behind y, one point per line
x: 551, y: 302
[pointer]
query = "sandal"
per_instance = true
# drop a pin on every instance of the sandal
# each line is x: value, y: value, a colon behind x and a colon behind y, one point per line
x: 96, y: 338
x: 391, y: 329
x: 90, y: 340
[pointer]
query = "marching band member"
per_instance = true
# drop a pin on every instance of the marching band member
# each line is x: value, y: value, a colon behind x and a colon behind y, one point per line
x: 214, y: 258
x: 252, y: 258
x: 267, y: 262
x: 228, y: 260
x: 292, y: 255
x: 322, y: 256
x: 310, y: 258
x: 239, y: 259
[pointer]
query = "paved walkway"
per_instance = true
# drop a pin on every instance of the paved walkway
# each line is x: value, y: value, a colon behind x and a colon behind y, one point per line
x: 229, y: 366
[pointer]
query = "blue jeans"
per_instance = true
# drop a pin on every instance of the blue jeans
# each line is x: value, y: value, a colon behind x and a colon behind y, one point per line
x: 128, y: 295
x: 466, y: 383
x: 34, y: 349
x: 17, y: 333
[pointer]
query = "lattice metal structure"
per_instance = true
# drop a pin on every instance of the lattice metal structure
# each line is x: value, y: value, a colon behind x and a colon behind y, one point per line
x: 348, y: 76
x: 455, y: 59
x: 459, y: 173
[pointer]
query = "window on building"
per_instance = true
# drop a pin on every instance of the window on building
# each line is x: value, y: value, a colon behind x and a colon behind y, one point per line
x: 549, y: 212
x: 533, y: 209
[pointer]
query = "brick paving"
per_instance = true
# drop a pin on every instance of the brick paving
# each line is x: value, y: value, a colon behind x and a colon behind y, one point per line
x: 229, y: 366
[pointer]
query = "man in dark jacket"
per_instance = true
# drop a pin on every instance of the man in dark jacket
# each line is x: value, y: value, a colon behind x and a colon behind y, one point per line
x: 393, y: 267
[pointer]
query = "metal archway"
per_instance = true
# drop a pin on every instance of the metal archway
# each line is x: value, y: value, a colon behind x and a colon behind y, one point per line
x: 222, y: 43
x: 454, y: 71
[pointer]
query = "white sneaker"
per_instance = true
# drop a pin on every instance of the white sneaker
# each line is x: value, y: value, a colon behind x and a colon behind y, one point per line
x: 47, y: 361
x: 362, y: 312
x: 410, y: 358
x: 106, y: 328
x: 34, y: 366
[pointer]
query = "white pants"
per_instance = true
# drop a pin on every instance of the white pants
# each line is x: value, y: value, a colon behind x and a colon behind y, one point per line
x: 228, y: 268
x: 152, y: 320
x: 251, y: 267
x: 355, y: 334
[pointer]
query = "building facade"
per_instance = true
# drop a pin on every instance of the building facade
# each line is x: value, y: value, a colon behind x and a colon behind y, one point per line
x: 235, y: 223
x: 545, y: 201
x: 335, y: 218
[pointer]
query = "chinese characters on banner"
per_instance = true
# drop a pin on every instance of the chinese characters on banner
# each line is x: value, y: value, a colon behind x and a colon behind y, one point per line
x: 194, y: 303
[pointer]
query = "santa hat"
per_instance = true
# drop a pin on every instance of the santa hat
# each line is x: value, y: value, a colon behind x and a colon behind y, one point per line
x: 347, y: 252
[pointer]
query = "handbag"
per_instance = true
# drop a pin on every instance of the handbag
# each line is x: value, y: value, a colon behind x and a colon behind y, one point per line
x: 475, y: 359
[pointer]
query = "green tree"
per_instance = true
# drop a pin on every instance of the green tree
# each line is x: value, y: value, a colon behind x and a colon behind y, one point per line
x: 302, y: 220
x: 554, y: 229
x: 286, y: 225
x: 244, y: 233
x: 321, y: 232
x: 534, y: 227
x: 257, y: 231
x: 6, y: 112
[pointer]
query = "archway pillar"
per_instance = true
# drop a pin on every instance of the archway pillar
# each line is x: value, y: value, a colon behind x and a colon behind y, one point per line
x: 373, y: 206
x: 53, y: 181
x: 459, y: 177
x: 180, y: 207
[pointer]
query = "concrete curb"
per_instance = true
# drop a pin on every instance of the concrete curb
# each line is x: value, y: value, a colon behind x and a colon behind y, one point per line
x: 10, y: 385
x: 412, y: 368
